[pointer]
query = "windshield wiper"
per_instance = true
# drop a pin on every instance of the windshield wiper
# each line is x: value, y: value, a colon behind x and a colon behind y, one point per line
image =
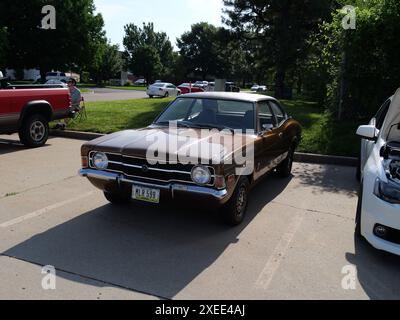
x: 214, y: 126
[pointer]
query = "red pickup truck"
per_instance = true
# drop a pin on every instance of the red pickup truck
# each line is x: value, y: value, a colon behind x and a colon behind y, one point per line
x: 29, y: 109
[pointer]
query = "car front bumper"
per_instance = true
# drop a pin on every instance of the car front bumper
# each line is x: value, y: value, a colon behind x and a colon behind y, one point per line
x: 378, y: 212
x: 177, y: 192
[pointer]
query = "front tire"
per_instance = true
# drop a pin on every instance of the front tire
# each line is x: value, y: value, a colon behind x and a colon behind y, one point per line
x: 116, y: 199
x: 34, y: 131
x: 234, y: 211
x: 166, y: 95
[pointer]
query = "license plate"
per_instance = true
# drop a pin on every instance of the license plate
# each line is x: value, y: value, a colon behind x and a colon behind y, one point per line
x: 146, y: 194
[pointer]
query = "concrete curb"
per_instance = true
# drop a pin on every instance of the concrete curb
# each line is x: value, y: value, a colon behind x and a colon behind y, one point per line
x: 326, y: 159
x: 299, y: 157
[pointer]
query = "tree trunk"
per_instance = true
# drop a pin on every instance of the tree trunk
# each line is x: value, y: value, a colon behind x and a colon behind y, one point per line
x: 280, y: 83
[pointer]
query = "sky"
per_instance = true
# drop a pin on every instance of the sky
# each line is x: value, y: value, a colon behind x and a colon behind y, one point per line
x: 173, y: 17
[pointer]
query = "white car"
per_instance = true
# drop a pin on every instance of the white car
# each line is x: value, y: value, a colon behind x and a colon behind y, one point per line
x: 163, y: 89
x: 378, y: 210
x: 61, y: 76
x: 56, y: 83
x: 140, y: 82
x: 258, y: 88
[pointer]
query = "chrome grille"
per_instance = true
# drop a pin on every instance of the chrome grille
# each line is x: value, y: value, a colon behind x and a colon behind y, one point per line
x: 141, y: 168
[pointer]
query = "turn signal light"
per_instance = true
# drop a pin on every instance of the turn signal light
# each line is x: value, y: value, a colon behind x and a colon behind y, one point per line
x: 220, y: 182
x: 85, y: 162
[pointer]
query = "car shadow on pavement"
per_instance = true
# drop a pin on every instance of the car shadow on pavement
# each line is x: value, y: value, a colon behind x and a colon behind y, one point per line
x: 150, y: 250
x: 10, y: 146
x: 377, y: 271
x: 329, y: 178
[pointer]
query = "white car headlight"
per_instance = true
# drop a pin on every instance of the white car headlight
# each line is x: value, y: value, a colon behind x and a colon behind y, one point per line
x: 389, y: 192
x: 100, y: 161
x: 201, y: 175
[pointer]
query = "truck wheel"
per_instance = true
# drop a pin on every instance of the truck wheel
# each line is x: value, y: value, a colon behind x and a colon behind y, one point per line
x: 34, y: 131
x: 116, y: 199
x: 234, y: 211
x: 285, y: 168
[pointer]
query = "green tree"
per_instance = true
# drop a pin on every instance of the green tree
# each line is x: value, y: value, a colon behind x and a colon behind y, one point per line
x: 75, y: 44
x: 148, y: 53
x: 3, y: 47
x: 360, y: 66
x: 111, y: 64
x: 279, y: 29
x: 201, y: 50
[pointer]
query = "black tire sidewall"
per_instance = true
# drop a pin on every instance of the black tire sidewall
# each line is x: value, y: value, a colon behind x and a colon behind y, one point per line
x: 25, y: 135
x: 283, y: 169
x: 229, y: 211
x: 359, y: 212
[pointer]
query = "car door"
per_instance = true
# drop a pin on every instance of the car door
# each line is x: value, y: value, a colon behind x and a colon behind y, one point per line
x: 267, y: 146
x: 285, y: 138
x: 6, y: 117
x: 172, y: 90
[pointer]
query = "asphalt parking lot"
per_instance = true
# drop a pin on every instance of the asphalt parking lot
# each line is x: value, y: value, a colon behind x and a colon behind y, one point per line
x: 294, y: 244
x: 105, y: 94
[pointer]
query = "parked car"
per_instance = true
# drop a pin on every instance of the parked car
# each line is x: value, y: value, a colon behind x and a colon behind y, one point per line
x: 140, y: 82
x: 189, y: 88
x: 61, y: 76
x: 201, y: 84
x: 258, y: 88
x: 231, y: 87
x: 163, y: 89
x: 56, y: 83
x: 118, y: 164
x: 378, y: 210
x: 29, y: 109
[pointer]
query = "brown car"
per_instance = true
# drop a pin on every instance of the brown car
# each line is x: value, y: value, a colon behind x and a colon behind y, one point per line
x: 205, y: 149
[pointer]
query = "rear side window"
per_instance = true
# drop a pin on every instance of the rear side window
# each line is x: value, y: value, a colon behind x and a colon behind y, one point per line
x: 265, y: 116
x: 277, y: 110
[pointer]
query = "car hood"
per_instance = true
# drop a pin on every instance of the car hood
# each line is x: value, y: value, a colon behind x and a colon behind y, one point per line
x: 389, y: 128
x: 144, y: 143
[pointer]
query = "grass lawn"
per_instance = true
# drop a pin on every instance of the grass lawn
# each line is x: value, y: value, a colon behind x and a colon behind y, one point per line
x: 135, y: 88
x: 321, y: 135
x: 108, y: 117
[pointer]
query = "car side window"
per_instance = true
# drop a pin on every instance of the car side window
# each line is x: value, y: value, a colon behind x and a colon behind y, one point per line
x: 381, y: 115
x: 278, y: 112
x: 265, y: 117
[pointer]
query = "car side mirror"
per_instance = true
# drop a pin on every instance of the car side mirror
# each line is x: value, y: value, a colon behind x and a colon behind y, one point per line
x: 267, y: 127
x: 367, y: 132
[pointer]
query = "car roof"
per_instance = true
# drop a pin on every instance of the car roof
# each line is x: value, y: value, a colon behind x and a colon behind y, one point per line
x: 245, y: 97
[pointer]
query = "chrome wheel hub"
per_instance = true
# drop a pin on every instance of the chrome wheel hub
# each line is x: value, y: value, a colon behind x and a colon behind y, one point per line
x: 37, y: 131
x: 241, y: 201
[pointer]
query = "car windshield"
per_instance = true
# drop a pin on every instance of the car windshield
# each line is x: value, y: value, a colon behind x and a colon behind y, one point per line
x: 158, y: 85
x: 210, y: 113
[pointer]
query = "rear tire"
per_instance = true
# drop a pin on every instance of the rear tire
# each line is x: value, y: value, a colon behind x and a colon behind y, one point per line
x: 34, y: 131
x: 234, y: 211
x: 285, y: 168
x: 166, y: 95
x: 151, y: 97
x: 116, y: 199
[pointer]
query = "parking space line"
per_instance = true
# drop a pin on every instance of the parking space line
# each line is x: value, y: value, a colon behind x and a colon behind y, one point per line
x: 279, y: 253
x: 44, y: 210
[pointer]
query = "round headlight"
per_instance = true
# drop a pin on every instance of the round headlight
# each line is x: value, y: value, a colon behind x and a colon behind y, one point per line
x: 100, y: 161
x: 201, y: 175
